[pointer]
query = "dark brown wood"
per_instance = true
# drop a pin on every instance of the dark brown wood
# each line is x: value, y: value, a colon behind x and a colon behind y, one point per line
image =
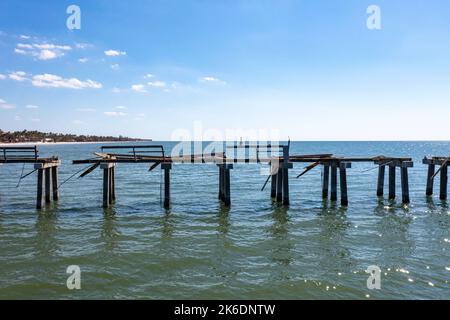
x: 405, y: 185
x: 113, y: 183
x: 110, y: 185
x: 55, y: 183
x: 40, y: 181
x: 325, y: 181
x: 227, y: 191
x: 343, y: 184
x: 285, y: 186
x: 106, y: 188
x: 391, y: 182
x: 273, y: 186
x: 220, y: 183
x: 444, y: 180
x: 166, y: 187
x: 279, y: 196
x: 333, y: 193
x: 430, y: 179
x: 380, y: 181
x: 47, y: 177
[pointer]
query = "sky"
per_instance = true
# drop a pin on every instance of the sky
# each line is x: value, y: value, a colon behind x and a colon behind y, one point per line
x: 166, y: 70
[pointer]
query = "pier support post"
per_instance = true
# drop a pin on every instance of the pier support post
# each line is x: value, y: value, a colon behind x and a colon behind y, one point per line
x: 405, y: 184
x: 380, y: 182
x: 391, y: 182
x: 343, y: 182
x: 224, y: 183
x: 430, y: 179
x: 279, y: 195
x: 47, y: 178
x: 333, y: 193
x: 107, y: 185
x: 39, y: 188
x: 55, y: 183
x: 444, y: 180
x: 166, y: 167
x: 326, y: 181
x: 220, y: 183
x: 113, y: 183
x: 273, y: 186
x: 285, y: 186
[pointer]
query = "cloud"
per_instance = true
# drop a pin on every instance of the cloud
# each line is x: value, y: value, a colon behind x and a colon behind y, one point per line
x: 157, y: 84
x: 121, y: 107
x: 22, y: 36
x: 83, y: 45
x: 138, y: 88
x: 210, y: 79
x: 6, y: 106
x: 31, y: 106
x: 114, y: 114
x: 148, y: 76
x: 2, y: 76
x: 54, y: 81
x: 115, y: 53
x: 18, y: 76
x: 83, y: 60
x: 115, y: 66
x: 42, y: 51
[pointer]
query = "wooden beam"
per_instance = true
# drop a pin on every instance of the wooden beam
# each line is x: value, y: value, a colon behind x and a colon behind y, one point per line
x: 343, y: 184
x: 380, y: 181
x: 405, y: 185
x: 285, y: 186
x: 106, y: 186
x: 444, y: 180
x: 325, y: 181
x: 333, y: 193
x: 47, y: 177
x: 279, y: 196
x: 55, y: 183
x: 166, y: 167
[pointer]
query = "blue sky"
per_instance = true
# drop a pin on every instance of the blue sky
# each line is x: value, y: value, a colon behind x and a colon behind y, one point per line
x: 311, y: 70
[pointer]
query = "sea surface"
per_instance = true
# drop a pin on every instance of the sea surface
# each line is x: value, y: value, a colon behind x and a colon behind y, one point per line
x: 200, y: 249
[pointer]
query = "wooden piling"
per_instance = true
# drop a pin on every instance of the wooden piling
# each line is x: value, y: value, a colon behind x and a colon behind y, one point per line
x: 333, y: 193
x: 273, y: 186
x: 47, y: 178
x: 279, y: 196
x: 343, y: 183
x: 405, y: 185
x: 113, y: 183
x: 39, y: 188
x: 227, y: 191
x: 110, y: 182
x: 106, y: 188
x: 380, y: 182
x: 391, y: 182
x: 166, y: 167
x: 430, y: 179
x: 444, y: 180
x: 285, y: 173
x: 55, y: 183
x: 220, y: 183
x: 325, y: 181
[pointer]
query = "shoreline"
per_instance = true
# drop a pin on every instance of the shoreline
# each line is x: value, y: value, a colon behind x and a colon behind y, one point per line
x: 40, y: 143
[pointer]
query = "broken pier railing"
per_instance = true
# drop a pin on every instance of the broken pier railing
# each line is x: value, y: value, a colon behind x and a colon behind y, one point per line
x: 277, y: 156
x: 47, y: 170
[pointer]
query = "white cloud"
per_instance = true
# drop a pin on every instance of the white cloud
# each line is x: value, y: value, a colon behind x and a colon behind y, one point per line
x: 148, y: 76
x: 211, y: 79
x: 138, y: 88
x: 54, y: 81
x: 42, y: 51
x: 115, y: 66
x: 83, y: 60
x: 31, y: 106
x: 6, y: 106
x: 121, y: 107
x: 115, y: 53
x: 2, y: 76
x: 18, y: 76
x: 114, y: 114
x: 83, y: 45
x: 22, y: 36
x: 157, y: 84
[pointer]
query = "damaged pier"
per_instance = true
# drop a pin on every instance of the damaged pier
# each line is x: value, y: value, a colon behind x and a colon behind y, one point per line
x: 443, y: 163
x: 47, y: 171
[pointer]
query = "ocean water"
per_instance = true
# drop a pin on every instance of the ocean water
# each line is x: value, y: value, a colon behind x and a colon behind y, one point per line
x: 199, y: 249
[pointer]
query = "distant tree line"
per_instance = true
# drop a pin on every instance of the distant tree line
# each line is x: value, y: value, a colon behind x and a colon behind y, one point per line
x: 37, y: 136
